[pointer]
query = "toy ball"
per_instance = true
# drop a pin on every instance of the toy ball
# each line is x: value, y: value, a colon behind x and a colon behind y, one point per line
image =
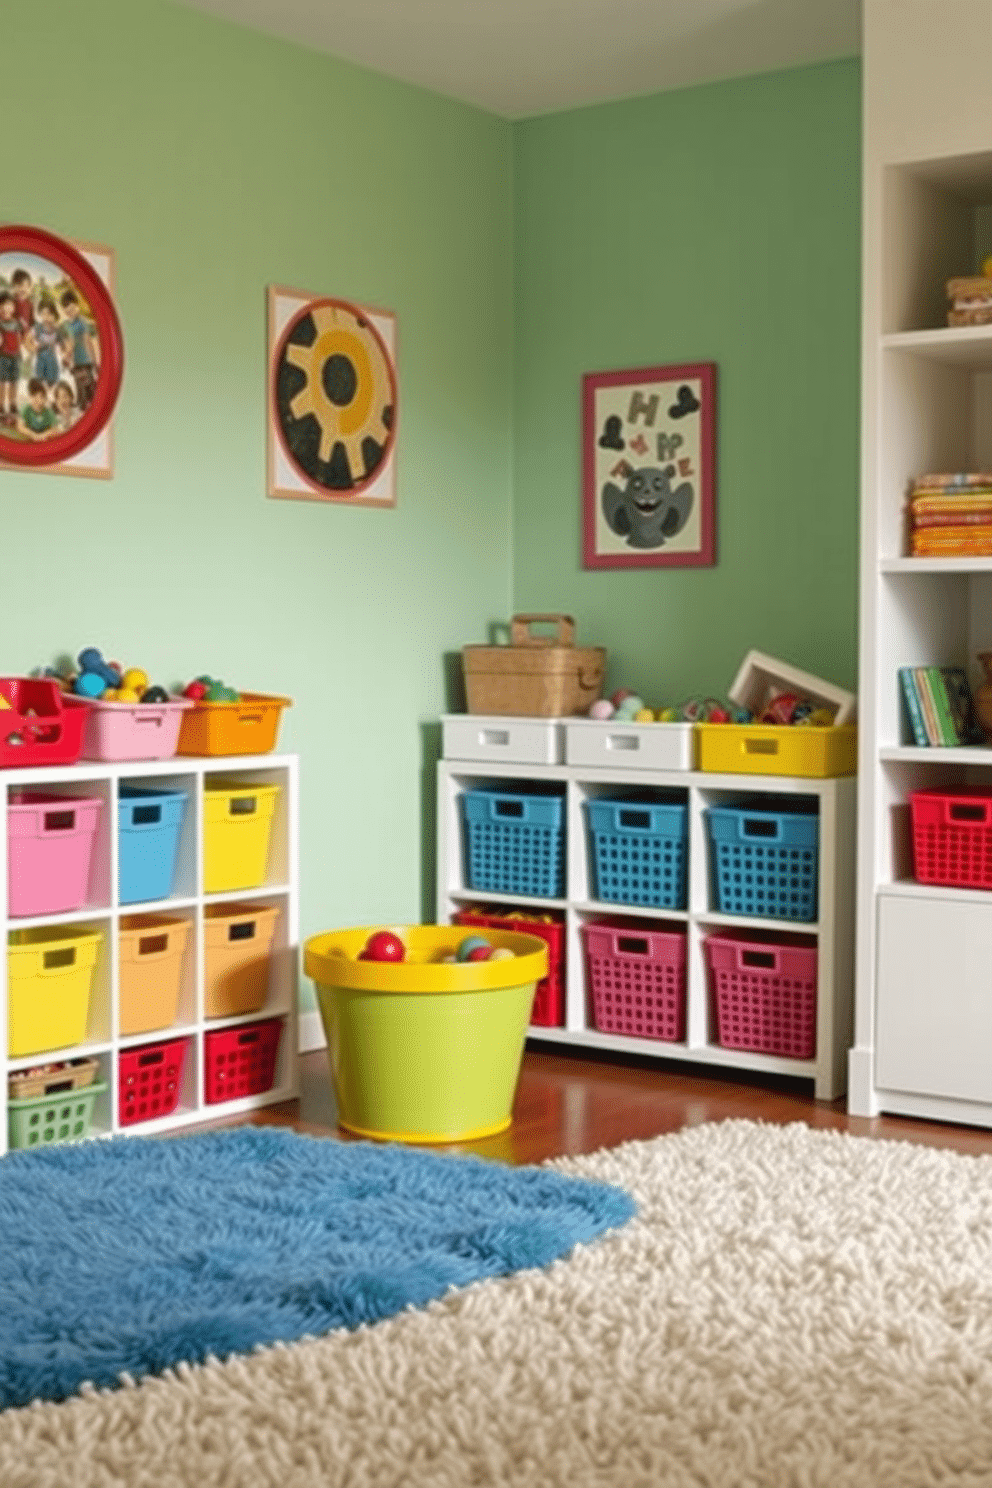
x: 629, y: 708
x: 718, y: 714
x: 741, y: 715
x: 502, y: 953
x: 472, y: 943
x: 669, y: 715
x: 693, y: 710
x: 781, y: 708
x: 644, y: 715
x: 154, y: 695
x: 89, y: 684
x: 383, y: 945
x: 819, y: 718
x: 135, y: 678
x: 480, y: 953
x: 620, y: 695
x: 602, y: 709
x: 128, y: 695
x: 196, y: 691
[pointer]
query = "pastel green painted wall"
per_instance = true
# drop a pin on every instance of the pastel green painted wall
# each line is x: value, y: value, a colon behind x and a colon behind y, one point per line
x: 719, y: 223
x: 215, y: 162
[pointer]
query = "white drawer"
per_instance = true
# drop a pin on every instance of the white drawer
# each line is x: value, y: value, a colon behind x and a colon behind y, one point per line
x: 632, y: 746
x: 519, y: 741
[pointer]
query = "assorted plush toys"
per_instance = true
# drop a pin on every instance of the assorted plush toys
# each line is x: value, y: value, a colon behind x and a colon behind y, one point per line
x: 109, y: 682
x: 784, y: 708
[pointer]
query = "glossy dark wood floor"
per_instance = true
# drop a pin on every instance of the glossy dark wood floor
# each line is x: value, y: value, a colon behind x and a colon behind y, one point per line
x: 570, y: 1103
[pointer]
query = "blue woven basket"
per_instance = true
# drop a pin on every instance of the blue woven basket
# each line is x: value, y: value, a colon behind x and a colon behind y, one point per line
x: 764, y: 862
x: 639, y: 852
x: 514, y: 844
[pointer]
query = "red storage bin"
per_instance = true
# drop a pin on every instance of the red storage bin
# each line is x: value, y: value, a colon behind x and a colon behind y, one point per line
x: 952, y: 837
x: 637, y: 978
x: 39, y: 723
x: 549, y: 999
x: 241, y: 1060
x: 764, y: 995
x: 149, y: 1080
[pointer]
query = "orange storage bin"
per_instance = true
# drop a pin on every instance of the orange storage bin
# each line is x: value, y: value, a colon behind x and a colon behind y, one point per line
x: 151, y: 966
x: 248, y: 726
x: 237, y: 957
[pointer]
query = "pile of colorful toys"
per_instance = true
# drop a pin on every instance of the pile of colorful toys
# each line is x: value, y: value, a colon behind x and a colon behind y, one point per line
x: 104, y: 681
x: 784, y: 708
x: 387, y: 945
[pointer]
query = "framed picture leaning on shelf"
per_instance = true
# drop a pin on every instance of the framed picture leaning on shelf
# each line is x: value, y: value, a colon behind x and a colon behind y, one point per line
x: 648, y: 457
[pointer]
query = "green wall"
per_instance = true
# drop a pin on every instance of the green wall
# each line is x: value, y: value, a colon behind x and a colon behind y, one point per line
x: 715, y: 224
x: 215, y: 162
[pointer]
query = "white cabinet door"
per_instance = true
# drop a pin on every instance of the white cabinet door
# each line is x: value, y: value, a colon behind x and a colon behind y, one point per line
x: 934, y: 1030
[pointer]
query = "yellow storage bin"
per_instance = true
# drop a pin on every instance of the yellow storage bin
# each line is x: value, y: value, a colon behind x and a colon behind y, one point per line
x: 151, y: 964
x: 237, y: 957
x: 766, y: 749
x: 49, y: 978
x: 237, y: 828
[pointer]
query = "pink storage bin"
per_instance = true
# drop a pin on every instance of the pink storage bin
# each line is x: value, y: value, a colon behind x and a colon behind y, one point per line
x: 637, y: 977
x: 133, y: 731
x: 49, y: 851
x: 764, y: 995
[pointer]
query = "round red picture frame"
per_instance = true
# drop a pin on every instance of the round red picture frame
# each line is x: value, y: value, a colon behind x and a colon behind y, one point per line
x: 53, y: 450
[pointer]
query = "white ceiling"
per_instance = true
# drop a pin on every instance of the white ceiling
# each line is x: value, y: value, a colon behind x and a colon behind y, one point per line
x: 518, y: 58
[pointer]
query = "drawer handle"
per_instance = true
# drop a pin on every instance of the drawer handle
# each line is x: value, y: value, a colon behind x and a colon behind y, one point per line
x: 59, y: 821
x: 494, y: 736
x: 761, y: 746
x: 635, y: 818
x: 509, y: 808
x: 146, y: 816
x: 149, y: 945
x: 961, y: 811
x: 243, y: 806
x: 759, y: 958
x: 755, y: 827
x: 154, y: 1056
x: 622, y: 741
x: 635, y: 945
x: 242, y: 932
x: 54, y: 959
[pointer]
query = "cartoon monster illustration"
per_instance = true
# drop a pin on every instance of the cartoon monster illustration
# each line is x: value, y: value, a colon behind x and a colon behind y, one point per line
x: 647, y: 511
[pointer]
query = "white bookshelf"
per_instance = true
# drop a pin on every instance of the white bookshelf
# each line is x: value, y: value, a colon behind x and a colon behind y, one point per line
x: 104, y: 912
x: 832, y: 932
x: 923, y: 1022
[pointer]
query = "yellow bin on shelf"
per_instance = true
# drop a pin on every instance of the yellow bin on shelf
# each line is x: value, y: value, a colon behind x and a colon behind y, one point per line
x: 237, y: 828
x: 49, y: 976
x: 421, y: 1051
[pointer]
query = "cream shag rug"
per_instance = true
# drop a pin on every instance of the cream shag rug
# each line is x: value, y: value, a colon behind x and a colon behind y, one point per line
x: 790, y: 1309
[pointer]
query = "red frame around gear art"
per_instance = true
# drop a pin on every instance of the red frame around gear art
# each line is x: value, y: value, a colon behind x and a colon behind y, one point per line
x: 35, y: 242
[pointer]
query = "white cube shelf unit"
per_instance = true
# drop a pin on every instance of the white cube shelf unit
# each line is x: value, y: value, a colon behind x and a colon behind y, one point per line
x: 923, y: 1018
x: 832, y: 932
x: 104, y: 912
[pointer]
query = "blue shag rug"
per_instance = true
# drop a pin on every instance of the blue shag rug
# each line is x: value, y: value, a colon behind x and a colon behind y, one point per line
x: 133, y: 1255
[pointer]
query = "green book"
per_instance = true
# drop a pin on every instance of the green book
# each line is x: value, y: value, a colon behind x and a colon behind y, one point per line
x: 946, y: 726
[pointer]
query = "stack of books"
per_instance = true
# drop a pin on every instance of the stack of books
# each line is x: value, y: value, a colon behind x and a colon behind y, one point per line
x: 950, y: 516
x: 970, y: 301
x: 938, y: 706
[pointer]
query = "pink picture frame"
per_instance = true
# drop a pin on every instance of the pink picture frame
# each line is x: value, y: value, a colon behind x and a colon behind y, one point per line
x: 648, y: 467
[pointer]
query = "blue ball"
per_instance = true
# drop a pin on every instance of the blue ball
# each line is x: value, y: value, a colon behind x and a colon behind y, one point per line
x: 469, y: 944
x: 89, y: 684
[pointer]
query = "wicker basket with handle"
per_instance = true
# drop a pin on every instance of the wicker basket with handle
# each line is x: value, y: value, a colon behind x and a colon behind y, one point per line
x: 535, y: 676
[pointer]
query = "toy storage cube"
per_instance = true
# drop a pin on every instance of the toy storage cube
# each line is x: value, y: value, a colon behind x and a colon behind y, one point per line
x: 149, y: 822
x: 241, y: 1061
x: 237, y: 829
x: 41, y: 1120
x: 549, y: 998
x: 639, y: 852
x: 49, y: 851
x: 237, y: 957
x: 764, y: 995
x: 637, y: 977
x: 514, y: 843
x: 765, y: 863
x: 151, y: 949
x: 149, y: 1080
x: 49, y: 980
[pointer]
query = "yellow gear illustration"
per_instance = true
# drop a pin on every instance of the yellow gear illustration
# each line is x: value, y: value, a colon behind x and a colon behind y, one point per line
x: 355, y: 412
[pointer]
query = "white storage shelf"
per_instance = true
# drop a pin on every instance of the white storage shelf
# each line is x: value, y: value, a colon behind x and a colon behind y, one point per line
x: 104, y: 912
x: 832, y: 933
x: 921, y: 1026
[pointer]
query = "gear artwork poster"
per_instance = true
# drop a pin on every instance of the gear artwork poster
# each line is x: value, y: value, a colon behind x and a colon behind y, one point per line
x: 332, y: 400
x: 649, y: 491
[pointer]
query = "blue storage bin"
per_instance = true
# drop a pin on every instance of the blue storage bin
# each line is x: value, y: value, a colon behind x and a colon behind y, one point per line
x: 148, y: 826
x: 639, y: 852
x: 764, y: 862
x: 514, y: 844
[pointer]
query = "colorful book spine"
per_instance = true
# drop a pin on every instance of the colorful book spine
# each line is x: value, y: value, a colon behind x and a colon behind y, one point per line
x: 913, y: 707
x: 942, y: 707
x: 927, y: 704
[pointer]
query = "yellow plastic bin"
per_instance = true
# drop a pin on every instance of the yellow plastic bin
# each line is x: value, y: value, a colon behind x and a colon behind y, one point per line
x: 421, y: 1051
x: 237, y: 957
x: 237, y: 829
x: 49, y: 978
x: 151, y: 951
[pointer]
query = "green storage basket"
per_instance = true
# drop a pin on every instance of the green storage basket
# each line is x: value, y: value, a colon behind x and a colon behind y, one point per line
x: 60, y: 1116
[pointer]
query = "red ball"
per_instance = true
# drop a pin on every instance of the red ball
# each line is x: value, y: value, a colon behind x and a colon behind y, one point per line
x: 479, y: 953
x: 196, y: 691
x: 383, y: 946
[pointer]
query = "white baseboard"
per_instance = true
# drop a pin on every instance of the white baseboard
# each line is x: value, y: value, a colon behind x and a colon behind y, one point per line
x: 311, y: 1032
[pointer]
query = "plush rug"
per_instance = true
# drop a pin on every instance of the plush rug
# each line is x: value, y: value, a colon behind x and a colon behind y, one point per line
x: 135, y: 1255
x: 788, y: 1309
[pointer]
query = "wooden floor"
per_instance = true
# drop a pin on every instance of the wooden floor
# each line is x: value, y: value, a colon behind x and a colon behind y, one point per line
x: 576, y: 1102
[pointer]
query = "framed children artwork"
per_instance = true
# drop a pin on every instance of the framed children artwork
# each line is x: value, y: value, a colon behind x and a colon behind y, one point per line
x: 648, y: 455
x: 61, y: 354
x: 332, y: 400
